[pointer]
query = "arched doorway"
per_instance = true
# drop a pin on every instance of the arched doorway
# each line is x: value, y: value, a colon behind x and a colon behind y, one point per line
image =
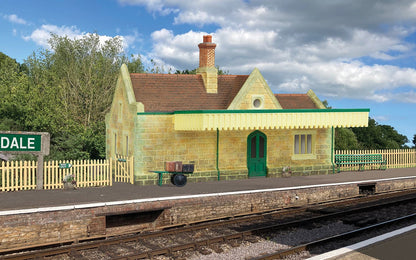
x: 256, y: 154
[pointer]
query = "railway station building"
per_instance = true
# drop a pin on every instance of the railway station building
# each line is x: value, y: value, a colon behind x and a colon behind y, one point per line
x: 228, y: 126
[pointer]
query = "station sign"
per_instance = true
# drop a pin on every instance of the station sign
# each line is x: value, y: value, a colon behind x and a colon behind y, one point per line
x: 19, y: 142
x: 24, y: 142
x: 36, y: 143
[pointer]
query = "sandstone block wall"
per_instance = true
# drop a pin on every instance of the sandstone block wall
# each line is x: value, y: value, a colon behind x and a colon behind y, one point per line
x: 158, y: 142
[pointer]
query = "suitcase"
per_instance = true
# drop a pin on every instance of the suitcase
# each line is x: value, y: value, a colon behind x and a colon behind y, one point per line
x: 187, y: 168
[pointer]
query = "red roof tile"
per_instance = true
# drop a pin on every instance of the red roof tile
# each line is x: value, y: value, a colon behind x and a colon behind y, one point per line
x: 174, y: 92
x: 295, y: 101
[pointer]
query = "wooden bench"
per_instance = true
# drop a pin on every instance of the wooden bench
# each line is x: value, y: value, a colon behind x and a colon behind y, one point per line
x: 361, y: 160
x: 177, y: 179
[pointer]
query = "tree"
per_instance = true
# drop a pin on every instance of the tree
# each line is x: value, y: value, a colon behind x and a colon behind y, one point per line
x: 71, y: 89
x: 65, y: 91
x: 377, y: 136
x: 135, y: 65
x: 13, y: 89
x: 87, y: 71
x: 220, y: 71
x: 414, y: 141
x: 345, y: 139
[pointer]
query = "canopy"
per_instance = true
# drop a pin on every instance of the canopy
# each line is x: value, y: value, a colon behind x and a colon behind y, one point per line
x: 205, y: 120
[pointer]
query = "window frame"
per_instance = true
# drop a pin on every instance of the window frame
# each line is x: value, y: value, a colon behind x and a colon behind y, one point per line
x: 306, y: 155
x: 261, y: 100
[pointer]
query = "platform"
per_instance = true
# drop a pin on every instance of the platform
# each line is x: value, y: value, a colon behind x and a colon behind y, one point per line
x: 123, y: 191
x: 398, y: 244
x: 50, y: 216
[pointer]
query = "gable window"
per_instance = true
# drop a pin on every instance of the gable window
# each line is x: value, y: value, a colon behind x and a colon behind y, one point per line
x: 257, y: 102
x: 120, y: 112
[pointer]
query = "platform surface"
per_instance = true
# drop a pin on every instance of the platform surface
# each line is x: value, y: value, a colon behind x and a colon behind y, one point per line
x: 122, y: 191
x: 394, y: 245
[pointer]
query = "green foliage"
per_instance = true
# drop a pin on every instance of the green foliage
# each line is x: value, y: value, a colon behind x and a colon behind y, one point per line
x: 377, y: 136
x: 135, y: 65
x: 13, y: 82
x: 374, y: 136
x: 414, y: 140
x: 66, y: 91
x: 345, y: 139
x: 86, y: 72
x: 326, y: 104
x: 220, y: 71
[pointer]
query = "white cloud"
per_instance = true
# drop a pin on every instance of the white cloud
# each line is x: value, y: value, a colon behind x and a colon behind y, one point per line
x: 42, y: 35
x: 152, y: 5
x: 299, y: 45
x: 13, y: 18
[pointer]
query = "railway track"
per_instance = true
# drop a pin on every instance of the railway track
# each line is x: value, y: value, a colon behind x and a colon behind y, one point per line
x: 331, y: 239
x: 207, y: 237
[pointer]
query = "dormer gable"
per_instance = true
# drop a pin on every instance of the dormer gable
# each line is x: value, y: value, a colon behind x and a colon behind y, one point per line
x: 255, y: 94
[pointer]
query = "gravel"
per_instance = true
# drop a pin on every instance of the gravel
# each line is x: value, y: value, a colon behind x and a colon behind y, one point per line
x: 245, y: 251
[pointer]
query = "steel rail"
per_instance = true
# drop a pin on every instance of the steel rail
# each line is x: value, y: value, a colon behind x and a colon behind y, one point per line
x: 305, y: 247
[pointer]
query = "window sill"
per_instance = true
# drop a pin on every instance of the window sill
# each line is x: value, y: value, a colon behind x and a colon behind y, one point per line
x: 303, y: 157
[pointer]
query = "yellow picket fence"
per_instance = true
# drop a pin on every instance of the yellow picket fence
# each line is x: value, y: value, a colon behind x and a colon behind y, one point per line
x: 18, y: 175
x: 395, y: 158
x: 86, y: 173
x: 21, y: 175
x: 123, y: 169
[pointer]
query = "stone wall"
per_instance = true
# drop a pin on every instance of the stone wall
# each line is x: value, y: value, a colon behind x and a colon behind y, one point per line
x: 60, y: 225
x: 158, y: 142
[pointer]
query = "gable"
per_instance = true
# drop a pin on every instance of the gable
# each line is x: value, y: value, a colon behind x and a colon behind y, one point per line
x: 255, y: 94
x: 124, y: 95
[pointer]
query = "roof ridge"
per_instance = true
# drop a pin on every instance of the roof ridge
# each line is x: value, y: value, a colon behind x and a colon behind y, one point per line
x: 294, y: 94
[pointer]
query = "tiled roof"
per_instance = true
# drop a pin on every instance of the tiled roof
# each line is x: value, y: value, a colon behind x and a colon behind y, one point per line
x: 295, y: 101
x: 174, y: 92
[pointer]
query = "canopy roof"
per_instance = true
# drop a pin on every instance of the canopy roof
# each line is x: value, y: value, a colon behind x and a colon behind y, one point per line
x: 205, y: 120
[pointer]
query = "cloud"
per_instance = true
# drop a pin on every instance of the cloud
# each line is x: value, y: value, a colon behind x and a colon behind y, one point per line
x: 42, y: 35
x: 152, y: 5
x: 300, y: 45
x: 13, y: 18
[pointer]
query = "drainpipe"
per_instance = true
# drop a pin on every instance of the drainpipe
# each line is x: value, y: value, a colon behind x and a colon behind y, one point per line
x: 332, y: 150
x: 218, y: 138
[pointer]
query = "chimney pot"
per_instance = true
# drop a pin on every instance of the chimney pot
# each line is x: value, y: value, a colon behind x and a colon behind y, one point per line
x: 207, y: 38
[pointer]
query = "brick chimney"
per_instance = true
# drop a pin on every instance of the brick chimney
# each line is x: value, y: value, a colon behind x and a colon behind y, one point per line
x: 207, y: 64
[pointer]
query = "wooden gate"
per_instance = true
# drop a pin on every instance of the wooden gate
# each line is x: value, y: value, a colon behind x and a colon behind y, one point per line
x: 123, y: 169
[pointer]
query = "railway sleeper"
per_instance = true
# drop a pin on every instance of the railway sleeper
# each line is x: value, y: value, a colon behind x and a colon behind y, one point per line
x: 203, y: 250
x: 359, y: 221
x: 216, y: 247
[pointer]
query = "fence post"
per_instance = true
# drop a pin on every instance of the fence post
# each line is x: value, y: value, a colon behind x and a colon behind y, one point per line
x: 110, y: 171
x: 39, y: 174
x: 131, y: 169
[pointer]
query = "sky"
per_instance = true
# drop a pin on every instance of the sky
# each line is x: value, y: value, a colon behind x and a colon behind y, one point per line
x: 354, y: 54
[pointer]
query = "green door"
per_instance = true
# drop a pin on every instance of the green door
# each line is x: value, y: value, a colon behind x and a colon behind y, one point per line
x: 256, y: 154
